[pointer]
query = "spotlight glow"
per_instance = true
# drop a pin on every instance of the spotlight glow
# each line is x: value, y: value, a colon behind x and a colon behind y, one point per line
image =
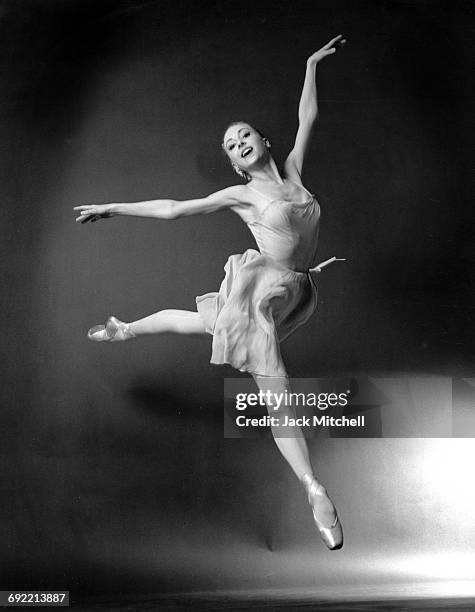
x: 444, y: 473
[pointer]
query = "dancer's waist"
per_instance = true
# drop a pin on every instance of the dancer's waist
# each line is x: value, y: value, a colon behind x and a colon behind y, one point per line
x: 311, y: 270
x: 298, y: 269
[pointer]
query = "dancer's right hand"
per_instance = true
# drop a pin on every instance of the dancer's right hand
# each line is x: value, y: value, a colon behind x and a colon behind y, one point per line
x: 94, y: 212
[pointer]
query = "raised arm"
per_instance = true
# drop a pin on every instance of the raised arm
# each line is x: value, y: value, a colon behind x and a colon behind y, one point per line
x: 308, y: 109
x: 164, y: 209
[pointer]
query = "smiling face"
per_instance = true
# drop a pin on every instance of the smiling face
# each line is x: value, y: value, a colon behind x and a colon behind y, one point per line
x: 244, y: 145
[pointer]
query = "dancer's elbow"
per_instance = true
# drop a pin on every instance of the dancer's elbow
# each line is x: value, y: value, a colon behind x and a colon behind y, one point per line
x: 171, y: 210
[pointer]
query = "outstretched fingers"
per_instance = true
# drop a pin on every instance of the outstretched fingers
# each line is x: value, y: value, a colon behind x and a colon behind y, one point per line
x: 335, y: 44
x: 86, y: 213
x: 89, y: 212
x: 338, y: 39
x: 329, y: 49
x: 85, y: 217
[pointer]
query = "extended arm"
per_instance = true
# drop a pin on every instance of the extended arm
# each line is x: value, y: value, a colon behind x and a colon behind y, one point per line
x: 163, y: 209
x: 308, y: 108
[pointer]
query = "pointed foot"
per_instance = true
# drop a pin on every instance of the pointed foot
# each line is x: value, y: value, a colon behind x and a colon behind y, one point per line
x: 113, y: 331
x: 324, y: 513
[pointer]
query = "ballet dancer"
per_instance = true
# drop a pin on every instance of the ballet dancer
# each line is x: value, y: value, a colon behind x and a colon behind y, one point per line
x: 266, y: 293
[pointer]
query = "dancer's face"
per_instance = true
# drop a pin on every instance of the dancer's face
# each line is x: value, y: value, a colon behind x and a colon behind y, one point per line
x: 244, y: 145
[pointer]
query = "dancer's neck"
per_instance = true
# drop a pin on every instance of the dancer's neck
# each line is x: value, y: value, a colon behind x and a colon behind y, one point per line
x: 267, y: 173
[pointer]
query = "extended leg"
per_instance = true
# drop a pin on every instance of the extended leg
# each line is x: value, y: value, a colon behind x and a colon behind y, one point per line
x: 293, y: 446
x: 175, y: 321
x: 290, y: 440
x: 170, y: 320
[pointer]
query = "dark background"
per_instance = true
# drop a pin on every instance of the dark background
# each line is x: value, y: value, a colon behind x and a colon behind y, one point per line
x: 115, y: 474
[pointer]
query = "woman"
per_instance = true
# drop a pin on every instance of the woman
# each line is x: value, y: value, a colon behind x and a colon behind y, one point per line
x: 266, y: 294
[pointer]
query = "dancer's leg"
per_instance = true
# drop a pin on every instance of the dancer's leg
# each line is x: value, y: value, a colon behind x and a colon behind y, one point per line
x: 293, y: 446
x: 175, y: 321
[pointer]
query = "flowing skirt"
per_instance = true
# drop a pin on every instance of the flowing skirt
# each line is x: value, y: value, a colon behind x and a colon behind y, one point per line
x: 259, y: 304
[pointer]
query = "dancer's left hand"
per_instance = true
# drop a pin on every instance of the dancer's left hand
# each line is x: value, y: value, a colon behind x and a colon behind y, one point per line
x: 328, y: 49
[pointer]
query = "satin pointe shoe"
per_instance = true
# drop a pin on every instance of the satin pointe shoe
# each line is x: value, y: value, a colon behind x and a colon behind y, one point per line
x: 113, y: 331
x: 333, y: 535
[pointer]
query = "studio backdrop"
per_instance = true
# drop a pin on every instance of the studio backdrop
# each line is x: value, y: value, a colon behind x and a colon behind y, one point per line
x: 116, y: 475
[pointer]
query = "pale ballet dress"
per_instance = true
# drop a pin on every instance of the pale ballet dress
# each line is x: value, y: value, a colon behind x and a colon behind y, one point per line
x: 265, y: 294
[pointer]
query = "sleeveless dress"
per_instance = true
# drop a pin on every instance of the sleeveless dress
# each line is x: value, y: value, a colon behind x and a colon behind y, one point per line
x: 267, y: 294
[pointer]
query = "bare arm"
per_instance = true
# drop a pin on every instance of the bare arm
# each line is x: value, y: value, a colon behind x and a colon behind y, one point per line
x: 165, y: 208
x: 308, y: 109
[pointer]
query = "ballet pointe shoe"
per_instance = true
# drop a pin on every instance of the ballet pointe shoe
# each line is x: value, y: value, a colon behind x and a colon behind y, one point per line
x: 113, y: 331
x: 333, y: 535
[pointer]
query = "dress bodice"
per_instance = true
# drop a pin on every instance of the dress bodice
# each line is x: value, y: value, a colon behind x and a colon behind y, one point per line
x: 287, y: 232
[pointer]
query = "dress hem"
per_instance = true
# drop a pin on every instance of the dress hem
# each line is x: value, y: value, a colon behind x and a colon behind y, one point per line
x: 244, y: 371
